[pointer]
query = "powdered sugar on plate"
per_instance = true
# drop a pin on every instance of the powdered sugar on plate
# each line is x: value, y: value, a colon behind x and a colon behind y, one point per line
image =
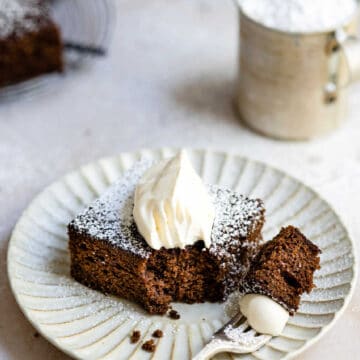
x: 302, y: 16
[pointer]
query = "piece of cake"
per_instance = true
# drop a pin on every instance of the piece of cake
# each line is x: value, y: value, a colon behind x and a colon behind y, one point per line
x: 109, y: 254
x: 30, y: 42
x: 283, y: 269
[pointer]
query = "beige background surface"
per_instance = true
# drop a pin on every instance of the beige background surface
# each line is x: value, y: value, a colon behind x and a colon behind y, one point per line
x: 168, y: 81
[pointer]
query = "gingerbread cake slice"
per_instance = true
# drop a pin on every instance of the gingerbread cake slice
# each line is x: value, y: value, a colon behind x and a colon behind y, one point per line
x: 30, y: 42
x: 109, y: 254
x: 283, y: 269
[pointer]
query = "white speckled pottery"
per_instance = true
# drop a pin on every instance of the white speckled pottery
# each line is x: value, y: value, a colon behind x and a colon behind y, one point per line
x: 89, y: 325
x: 281, y: 72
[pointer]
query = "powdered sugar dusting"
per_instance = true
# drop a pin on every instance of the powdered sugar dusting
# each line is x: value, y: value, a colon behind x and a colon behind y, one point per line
x: 239, y: 336
x: 19, y: 16
x: 300, y: 15
x: 235, y: 217
x: 110, y: 217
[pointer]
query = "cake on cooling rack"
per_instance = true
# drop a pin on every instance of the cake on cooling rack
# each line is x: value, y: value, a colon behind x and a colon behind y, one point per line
x: 30, y: 42
x: 109, y: 254
x: 283, y: 269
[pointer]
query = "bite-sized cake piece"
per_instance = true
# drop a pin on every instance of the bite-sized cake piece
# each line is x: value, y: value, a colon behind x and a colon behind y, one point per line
x: 109, y: 254
x: 283, y: 269
x: 30, y: 42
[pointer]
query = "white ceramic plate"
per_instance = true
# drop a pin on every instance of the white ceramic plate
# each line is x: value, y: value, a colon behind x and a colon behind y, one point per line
x: 87, y: 324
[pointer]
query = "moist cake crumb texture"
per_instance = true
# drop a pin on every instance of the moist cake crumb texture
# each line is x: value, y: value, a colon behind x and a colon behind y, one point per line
x: 158, y: 333
x: 284, y: 268
x: 173, y: 314
x: 109, y: 254
x: 135, y: 336
x: 149, y: 346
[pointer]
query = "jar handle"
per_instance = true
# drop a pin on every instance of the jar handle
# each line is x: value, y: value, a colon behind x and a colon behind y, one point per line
x: 350, y: 46
x: 341, y: 45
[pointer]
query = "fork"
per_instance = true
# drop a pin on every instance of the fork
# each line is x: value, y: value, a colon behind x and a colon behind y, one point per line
x: 236, y: 336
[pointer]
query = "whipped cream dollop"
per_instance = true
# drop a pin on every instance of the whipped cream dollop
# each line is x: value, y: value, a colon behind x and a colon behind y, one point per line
x: 264, y: 315
x: 172, y: 206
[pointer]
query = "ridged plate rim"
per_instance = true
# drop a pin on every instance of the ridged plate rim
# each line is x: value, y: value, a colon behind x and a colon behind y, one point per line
x: 205, y: 152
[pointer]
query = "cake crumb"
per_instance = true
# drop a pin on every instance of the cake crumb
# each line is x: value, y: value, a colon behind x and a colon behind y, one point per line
x: 149, y: 346
x: 158, y: 333
x: 173, y: 314
x: 36, y: 334
x: 135, y: 336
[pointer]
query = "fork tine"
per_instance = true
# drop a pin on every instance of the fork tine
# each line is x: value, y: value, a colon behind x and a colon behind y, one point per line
x: 242, y: 327
x: 239, y: 320
x: 252, y: 332
x: 234, y: 322
x: 247, y: 340
x: 218, y: 345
